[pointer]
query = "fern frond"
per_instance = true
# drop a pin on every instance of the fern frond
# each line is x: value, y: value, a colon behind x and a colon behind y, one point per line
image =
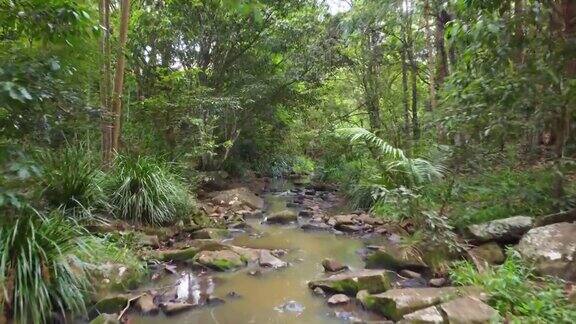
x: 356, y: 134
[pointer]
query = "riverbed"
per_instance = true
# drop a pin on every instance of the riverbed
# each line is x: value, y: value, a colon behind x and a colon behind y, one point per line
x: 274, y: 296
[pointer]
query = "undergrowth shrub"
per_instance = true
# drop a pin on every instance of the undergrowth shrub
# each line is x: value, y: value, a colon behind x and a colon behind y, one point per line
x: 144, y: 190
x: 71, y: 180
x: 517, y: 293
x: 495, y: 194
x: 36, y: 276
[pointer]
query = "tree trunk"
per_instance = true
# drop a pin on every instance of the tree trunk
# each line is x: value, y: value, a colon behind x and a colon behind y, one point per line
x: 442, y: 18
x: 430, y: 49
x: 105, y: 84
x: 414, y: 81
x: 565, y: 22
x: 413, y: 76
x: 405, y: 99
x: 119, y: 74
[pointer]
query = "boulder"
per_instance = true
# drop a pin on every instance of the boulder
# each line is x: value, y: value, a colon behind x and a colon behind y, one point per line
x: 211, y: 233
x: 552, y: 248
x: 248, y: 254
x: 172, y: 308
x: 268, y: 260
x: 115, y: 276
x: 331, y: 265
x: 282, y: 217
x: 238, y: 196
x: 396, y: 303
x: 367, y: 219
x: 428, y: 315
x: 350, y: 228
x: 105, y: 319
x: 178, y: 255
x: 486, y: 254
x: 350, y: 283
x: 145, y: 304
x: 143, y: 239
x: 410, y: 274
x: 340, y: 220
x: 338, y: 299
x: 214, y: 180
x: 220, y: 260
x: 437, y: 282
x: 469, y: 310
x: 507, y: 230
x: 393, y: 258
x: 562, y: 217
x: 316, y: 226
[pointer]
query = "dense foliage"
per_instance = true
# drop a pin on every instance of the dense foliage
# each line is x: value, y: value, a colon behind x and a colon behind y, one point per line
x: 517, y: 293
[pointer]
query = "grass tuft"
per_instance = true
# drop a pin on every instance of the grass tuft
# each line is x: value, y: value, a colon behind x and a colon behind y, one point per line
x: 37, y: 272
x: 144, y: 190
x: 71, y: 180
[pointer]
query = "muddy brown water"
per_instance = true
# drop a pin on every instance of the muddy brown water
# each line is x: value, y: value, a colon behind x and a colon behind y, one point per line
x: 259, y: 299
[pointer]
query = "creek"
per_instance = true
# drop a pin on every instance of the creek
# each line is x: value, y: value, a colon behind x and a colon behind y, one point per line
x: 272, y: 296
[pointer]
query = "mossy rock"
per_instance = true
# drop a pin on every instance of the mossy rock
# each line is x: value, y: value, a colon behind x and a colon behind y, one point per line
x: 393, y: 259
x: 223, y: 260
x: 178, y: 255
x: 116, y: 277
x: 211, y: 233
x: 111, y: 304
x: 396, y: 303
x: 106, y: 319
x: 374, y: 281
x: 282, y: 217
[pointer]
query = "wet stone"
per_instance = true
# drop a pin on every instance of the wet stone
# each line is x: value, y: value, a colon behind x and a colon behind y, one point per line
x: 268, y: 260
x: 338, y: 299
x: 290, y: 307
x: 429, y: 315
x: 172, y: 308
x: 319, y: 292
x: 437, y: 282
x: 313, y: 226
x: 145, y: 304
x: 331, y: 265
x: 305, y: 213
x: 410, y: 274
x: 233, y: 295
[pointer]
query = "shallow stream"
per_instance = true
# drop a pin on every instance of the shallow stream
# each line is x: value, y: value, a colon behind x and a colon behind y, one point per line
x: 260, y: 298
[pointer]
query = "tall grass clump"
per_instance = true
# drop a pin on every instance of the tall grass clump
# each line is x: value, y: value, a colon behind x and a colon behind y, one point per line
x: 144, y: 190
x: 36, y: 275
x: 516, y: 293
x: 71, y: 180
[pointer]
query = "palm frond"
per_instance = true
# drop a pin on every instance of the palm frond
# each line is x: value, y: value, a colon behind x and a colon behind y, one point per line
x: 355, y: 134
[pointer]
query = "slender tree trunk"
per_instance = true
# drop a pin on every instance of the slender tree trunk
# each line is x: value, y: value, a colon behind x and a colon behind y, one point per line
x: 519, y: 33
x: 119, y: 73
x: 564, y: 19
x: 405, y: 100
x: 413, y: 75
x: 414, y: 82
x: 105, y: 81
x: 430, y: 49
x: 442, y: 57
